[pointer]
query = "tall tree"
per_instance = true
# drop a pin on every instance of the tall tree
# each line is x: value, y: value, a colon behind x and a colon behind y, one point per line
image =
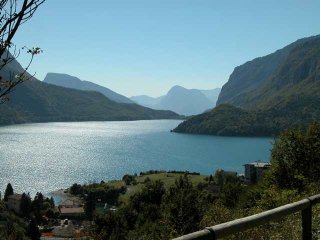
x: 296, y: 157
x: 25, y: 205
x: 8, y: 192
x: 180, y: 207
x: 13, y: 13
x: 37, y: 205
x: 33, y: 230
x: 89, y: 205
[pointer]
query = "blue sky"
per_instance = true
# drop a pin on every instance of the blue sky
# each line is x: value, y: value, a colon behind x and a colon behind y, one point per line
x: 139, y: 47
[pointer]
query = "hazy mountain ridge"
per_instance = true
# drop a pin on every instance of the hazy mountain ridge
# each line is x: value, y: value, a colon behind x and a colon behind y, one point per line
x: 289, y: 96
x: 36, y: 101
x: 212, y: 94
x: 181, y: 100
x: 145, y: 100
x: 65, y: 80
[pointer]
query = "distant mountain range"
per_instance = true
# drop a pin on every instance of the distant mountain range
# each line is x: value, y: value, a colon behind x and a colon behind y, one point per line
x: 36, y: 101
x: 146, y: 101
x: 65, y: 80
x: 181, y: 100
x: 267, y: 95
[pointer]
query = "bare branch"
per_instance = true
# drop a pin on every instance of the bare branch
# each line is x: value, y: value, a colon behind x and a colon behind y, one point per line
x: 13, y: 14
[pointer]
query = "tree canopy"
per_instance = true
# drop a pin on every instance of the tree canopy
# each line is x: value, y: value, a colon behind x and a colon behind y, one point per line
x: 296, y: 157
x: 8, y: 192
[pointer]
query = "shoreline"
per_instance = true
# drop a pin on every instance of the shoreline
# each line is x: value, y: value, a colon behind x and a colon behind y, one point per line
x: 61, y: 195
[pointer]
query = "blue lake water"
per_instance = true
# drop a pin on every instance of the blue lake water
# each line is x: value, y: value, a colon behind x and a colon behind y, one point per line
x: 49, y: 156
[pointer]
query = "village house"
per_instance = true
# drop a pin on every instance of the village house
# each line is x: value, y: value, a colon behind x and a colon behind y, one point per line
x: 14, y: 202
x: 254, y: 171
x: 71, y: 208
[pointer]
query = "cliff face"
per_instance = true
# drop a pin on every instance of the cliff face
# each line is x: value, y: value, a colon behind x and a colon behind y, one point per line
x: 251, y: 79
x: 297, y: 78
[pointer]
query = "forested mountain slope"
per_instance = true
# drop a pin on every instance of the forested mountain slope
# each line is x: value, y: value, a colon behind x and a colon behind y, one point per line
x: 36, y: 101
x: 65, y: 80
x: 289, y: 95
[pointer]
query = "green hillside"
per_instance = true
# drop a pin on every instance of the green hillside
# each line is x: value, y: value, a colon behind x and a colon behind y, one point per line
x: 35, y: 101
x: 65, y: 80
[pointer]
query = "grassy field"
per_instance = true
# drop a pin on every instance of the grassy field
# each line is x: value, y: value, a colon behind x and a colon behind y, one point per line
x: 167, y: 178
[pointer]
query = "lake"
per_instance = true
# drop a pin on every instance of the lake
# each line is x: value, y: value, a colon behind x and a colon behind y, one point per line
x: 49, y: 156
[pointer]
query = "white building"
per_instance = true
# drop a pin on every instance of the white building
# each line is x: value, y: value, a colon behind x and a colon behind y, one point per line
x: 254, y: 171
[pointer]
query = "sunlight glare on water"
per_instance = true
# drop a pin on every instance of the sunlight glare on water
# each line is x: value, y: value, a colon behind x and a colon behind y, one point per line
x: 49, y: 156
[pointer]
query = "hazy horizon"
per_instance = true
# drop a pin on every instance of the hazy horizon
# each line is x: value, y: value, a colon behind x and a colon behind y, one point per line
x: 146, y: 47
x: 157, y: 96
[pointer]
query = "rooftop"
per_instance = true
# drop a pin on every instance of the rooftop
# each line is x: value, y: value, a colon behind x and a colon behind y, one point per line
x: 74, y: 210
x: 259, y: 164
x: 69, y: 203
